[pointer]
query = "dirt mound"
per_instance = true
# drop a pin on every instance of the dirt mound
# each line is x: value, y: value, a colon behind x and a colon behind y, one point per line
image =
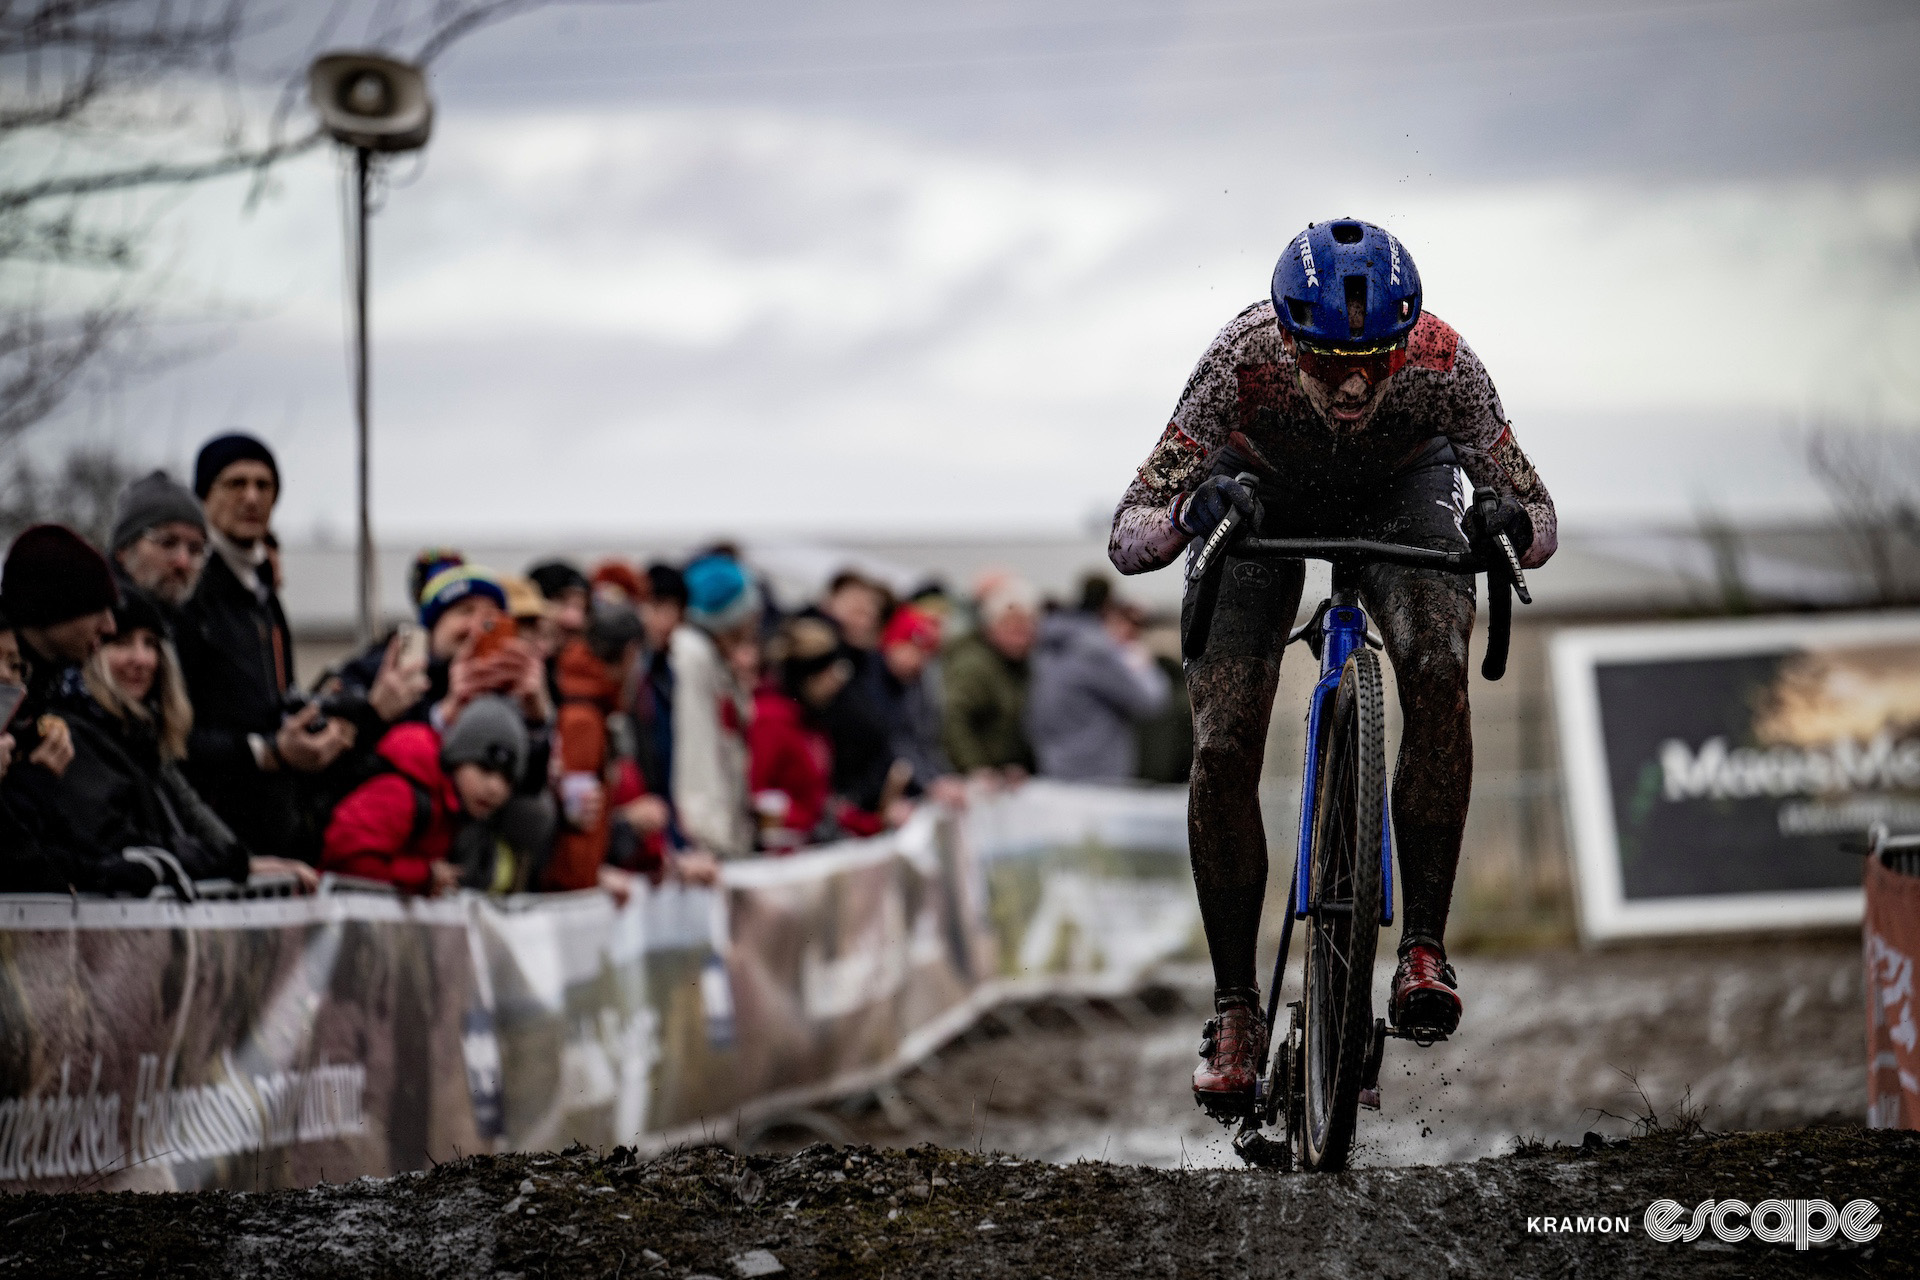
x: 855, y: 1211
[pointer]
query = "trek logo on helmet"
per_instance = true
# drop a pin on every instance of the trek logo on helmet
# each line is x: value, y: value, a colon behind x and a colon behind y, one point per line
x: 1306, y: 259
x: 1393, y: 268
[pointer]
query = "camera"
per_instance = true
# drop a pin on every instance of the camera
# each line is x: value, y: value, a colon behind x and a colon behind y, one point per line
x: 330, y: 704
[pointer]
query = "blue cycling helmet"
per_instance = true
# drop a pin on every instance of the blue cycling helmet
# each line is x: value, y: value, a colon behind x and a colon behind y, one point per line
x: 1347, y: 286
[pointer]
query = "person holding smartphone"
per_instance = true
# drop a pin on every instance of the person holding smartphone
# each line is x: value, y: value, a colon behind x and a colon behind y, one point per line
x: 25, y: 866
x: 463, y: 646
x: 58, y: 596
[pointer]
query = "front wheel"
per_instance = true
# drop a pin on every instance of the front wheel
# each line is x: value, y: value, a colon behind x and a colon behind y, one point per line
x: 1343, y: 921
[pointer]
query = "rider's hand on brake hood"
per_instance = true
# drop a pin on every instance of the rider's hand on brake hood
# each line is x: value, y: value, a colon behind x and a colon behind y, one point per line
x: 1507, y: 516
x: 1208, y: 505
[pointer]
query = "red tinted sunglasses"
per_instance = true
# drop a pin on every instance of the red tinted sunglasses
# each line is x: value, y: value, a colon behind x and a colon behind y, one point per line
x: 1334, y: 367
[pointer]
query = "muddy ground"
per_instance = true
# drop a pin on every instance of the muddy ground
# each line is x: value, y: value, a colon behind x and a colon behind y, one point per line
x: 837, y: 1211
x: 1751, y: 1035
x: 1756, y: 1037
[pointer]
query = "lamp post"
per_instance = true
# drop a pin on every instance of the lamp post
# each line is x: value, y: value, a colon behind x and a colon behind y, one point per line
x: 373, y: 104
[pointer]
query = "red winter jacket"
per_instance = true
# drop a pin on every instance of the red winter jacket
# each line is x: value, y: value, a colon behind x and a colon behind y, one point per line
x: 787, y: 754
x: 371, y: 832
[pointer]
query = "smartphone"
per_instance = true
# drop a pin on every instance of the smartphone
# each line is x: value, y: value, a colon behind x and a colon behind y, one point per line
x: 11, y: 695
x: 495, y: 635
x: 413, y: 645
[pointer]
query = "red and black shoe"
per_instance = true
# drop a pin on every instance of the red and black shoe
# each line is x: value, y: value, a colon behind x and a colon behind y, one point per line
x: 1425, y: 995
x: 1234, y: 1045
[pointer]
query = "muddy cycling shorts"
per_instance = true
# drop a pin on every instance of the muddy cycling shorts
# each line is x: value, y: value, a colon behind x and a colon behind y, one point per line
x: 1420, y: 503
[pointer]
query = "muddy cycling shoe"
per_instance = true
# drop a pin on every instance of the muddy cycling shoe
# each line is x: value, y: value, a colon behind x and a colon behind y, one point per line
x: 1424, y: 995
x: 1234, y: 1045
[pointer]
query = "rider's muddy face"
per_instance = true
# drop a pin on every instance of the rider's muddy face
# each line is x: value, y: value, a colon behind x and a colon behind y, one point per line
x: 1344, y: 394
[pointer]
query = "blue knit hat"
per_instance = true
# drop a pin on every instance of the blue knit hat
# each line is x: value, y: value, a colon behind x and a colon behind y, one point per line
x: 720, y: 596
x: 452, y: 585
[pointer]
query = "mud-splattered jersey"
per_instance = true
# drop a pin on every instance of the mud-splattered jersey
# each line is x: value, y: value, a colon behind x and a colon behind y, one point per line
x: 1246, y: 383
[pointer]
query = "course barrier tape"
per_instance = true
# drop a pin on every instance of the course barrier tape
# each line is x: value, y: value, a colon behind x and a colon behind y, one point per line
x: 288, y: 1041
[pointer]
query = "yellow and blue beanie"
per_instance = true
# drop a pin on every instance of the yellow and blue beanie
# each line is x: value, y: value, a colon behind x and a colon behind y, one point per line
x: 454, y: 584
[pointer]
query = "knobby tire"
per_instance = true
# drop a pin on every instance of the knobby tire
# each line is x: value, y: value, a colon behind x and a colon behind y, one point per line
x: 1340, y: 946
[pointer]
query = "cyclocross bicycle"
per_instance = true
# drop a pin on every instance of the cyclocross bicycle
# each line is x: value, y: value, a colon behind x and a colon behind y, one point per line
x: 1327, y: 1064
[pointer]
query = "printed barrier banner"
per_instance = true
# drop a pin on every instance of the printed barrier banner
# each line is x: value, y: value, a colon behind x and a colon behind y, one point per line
x: 281, y: 1042
x: 1713, y: 769
x: 237, y: 1044
x: 1891, y: 939
x: 1086, y: 896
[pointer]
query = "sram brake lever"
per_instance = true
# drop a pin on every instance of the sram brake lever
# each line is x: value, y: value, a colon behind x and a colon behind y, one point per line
x: 1514, y: 573
x: 1226, y: 531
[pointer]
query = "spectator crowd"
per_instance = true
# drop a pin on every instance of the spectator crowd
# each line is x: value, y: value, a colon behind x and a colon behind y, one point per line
x: 561, y: 730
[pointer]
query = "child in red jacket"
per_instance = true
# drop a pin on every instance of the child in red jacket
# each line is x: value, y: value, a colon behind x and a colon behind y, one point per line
x: 790, y: 759
x: 399, y: 825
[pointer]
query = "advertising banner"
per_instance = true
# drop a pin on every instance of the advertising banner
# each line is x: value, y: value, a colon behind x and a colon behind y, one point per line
x: 280, y: 1042
x: 246, y: 1045
x: 563, y: 986
x: 1087, y: 888
x: 1891, y: 942
x: 1713, y: 769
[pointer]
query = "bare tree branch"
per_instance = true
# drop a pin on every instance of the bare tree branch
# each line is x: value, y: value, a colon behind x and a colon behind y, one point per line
x: 150, y: 175
x: 77, y: 73
x: 1872, y: 477
x: 458, y: 24
x: 41, y: 360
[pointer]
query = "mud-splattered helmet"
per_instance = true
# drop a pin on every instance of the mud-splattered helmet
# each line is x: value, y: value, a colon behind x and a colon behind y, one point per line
x: 1346, y: 286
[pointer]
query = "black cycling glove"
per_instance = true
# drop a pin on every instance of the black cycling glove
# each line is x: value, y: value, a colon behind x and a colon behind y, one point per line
x: 1506, y: 516
x: 1208, y: 505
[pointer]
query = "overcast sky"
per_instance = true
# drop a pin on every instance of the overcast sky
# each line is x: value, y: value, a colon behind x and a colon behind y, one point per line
x: 836, y: 265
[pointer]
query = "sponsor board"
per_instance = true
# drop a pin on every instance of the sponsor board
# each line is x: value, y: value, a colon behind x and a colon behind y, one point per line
x: 1890, y: 941
x: 248, y: 1045
x: 157, y: 1046
x: 1713, y: 769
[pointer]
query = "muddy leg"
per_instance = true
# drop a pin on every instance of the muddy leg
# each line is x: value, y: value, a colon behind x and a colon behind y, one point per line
x: 1232, y: 690
x: 1425, y: 619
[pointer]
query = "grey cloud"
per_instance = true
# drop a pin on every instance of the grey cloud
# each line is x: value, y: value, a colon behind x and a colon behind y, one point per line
x: 1486, y: 89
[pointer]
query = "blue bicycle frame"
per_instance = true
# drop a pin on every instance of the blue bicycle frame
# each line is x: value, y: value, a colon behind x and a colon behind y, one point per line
x: 1343, y: 629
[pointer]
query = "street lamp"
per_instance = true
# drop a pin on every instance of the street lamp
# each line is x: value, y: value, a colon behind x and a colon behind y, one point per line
x: 372, y: 104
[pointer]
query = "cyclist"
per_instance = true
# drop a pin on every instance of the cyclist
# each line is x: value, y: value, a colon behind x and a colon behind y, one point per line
x: 1356, y: 410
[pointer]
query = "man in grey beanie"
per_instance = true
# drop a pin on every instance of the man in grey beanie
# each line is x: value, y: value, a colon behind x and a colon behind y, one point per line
x: 159, y: 538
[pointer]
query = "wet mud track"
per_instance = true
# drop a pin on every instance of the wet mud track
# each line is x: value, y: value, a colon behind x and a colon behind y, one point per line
x: 837, y: 1211
x: 1747, y: 1035
x: 1761, y: 1037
